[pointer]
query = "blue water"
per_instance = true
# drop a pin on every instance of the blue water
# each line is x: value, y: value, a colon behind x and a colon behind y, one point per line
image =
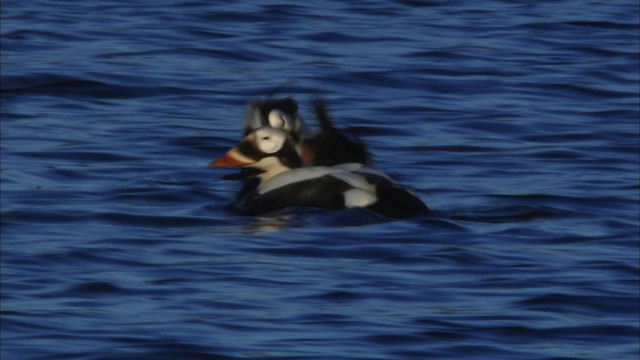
x: 515, y: 121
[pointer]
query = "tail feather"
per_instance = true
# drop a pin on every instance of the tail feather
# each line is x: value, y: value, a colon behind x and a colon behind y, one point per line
x: 322, y: 114
x: 335, y: 146
x: 396, y: 202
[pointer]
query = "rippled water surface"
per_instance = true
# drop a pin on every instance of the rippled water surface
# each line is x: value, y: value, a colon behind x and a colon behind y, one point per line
x: 515, y: 121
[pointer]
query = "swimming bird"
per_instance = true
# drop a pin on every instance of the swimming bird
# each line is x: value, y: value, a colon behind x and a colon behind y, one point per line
x: 285, y: 183
x: 277, y: 113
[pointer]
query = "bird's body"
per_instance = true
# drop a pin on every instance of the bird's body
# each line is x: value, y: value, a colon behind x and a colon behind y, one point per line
x: 285, y: 183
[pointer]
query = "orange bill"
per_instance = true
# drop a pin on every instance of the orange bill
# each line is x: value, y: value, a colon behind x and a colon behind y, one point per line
x: 231, y: 158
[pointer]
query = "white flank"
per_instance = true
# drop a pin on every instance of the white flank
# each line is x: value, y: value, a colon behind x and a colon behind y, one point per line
x: 357, y: 167
x: 311, y: 172
x: 293, y: 176
x: 354, y: 179
x: 359, y: 198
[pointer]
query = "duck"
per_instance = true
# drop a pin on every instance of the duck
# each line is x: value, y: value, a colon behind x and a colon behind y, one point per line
x: 284, y: 182
x: 329, y: 146
x: 277, y: 113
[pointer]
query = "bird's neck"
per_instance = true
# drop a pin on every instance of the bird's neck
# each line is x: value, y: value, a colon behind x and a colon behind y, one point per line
x: 272, y: 171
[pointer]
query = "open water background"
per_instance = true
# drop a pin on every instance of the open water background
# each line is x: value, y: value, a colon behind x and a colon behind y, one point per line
x: 516, y: 121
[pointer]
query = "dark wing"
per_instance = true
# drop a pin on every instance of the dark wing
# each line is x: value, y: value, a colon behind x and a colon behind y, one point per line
x: 397, y: 202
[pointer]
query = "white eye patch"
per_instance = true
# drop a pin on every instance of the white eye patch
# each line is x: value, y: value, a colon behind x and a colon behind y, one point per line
x: 269, y: 140
x: 280, y: 120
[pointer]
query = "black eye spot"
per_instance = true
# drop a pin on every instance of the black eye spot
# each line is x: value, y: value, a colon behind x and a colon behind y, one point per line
x: 266, y: 138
